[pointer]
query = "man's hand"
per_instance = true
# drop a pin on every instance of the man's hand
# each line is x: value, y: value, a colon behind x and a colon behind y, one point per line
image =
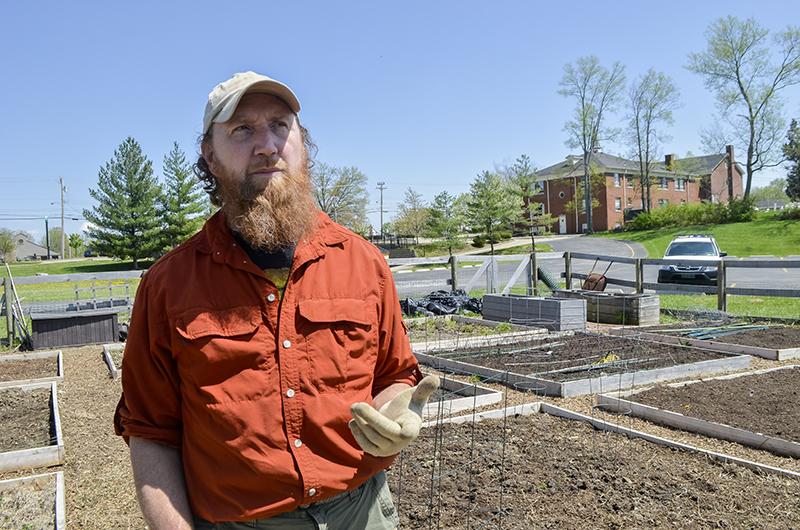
x: 391, y: 429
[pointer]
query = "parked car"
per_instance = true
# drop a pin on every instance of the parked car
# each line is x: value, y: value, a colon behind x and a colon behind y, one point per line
x: 695, y: 248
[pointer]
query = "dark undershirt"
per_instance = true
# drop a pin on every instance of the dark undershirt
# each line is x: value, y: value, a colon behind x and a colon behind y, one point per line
x: 277, y: 259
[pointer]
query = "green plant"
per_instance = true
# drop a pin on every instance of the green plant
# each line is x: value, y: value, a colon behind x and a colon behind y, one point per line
x: 503, y: 327
x: 789, y: 214
x: 478, y: 241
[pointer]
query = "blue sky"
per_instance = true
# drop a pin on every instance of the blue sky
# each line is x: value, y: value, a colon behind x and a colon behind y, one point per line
x: 416, y: 94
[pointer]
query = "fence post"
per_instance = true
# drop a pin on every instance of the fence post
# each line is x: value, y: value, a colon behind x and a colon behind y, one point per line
x: 534, y: 274
x: 639, y: 276
x: 9, y: 314
x: 568, y: 269
x: 722, y: 300
x: 453, y: 269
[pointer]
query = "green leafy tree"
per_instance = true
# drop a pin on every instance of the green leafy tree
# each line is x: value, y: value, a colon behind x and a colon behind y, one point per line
x: 125, y: 221
x: 446, y: 216
x: 491, y: 206
x: 55, y: 241
x: 747, y: 74
x: 595, y: 90
x: 7, y: 245
x: 791, y: 151
x: 651, y: 100
x: 75, y: 243
x: 183, y: 203
x: 341, y: 192
x: 412, y: 216
x: 524, y: 185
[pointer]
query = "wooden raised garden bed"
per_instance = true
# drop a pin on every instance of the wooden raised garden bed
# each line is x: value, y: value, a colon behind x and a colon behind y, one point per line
x: 453, y: 331
x: 530, y: 466
x: 112, y: 356
x: 31, y: 434
x: 74, y: 328
x: 555, y: 314
x: 583, y: 363
x: 617, y: 308
x: 777, y: 343
x: 455, y: 396
x: 35, y: 367
x: 35, y: 502
x: 760, y: 409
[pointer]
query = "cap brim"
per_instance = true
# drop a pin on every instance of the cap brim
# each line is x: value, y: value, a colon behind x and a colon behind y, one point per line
x: 259, y: 87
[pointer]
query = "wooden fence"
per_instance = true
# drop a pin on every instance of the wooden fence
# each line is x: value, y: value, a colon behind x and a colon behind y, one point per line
x: 721, y: 289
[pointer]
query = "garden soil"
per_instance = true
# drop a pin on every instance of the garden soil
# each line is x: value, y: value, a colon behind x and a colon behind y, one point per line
x: 540, y: 471
x: 766, y: 403
x: 28, y: 369
x: 25, y: 418
x: 29, y: 506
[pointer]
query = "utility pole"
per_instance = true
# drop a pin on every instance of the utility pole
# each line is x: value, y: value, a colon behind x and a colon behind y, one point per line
x: 47, y: 236
x: 62, y: 189
x: 381, y: 187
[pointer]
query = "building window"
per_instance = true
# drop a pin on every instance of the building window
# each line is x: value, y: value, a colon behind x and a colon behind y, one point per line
x: 617, y: 180
x: 663, y: 202
x: 629, y: 181
x: 561, y: 194
x: 618, y: 204
x: 683, y: 201
x: 663, y: 183
x: 680, y: 184
x: 630, y: 201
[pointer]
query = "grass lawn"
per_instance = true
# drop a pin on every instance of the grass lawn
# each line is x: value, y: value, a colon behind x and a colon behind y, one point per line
x: 754, y: 306
x: 31, y: 268
x: 763, y: 236
x: 519, y: 249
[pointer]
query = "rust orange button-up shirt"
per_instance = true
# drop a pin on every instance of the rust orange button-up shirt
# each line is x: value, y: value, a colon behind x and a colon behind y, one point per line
x: 256, y: 389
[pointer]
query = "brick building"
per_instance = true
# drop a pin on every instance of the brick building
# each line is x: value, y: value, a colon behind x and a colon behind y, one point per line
x: 674, y: 181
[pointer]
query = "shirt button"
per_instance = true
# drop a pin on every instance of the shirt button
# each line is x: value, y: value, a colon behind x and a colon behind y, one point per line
x: 270, y: 297
x: 287, y: 344
x: 312, y: 492
x: 290, y: 393
x: 298, y: 443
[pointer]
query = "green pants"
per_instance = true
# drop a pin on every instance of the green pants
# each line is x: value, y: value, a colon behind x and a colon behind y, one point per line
x: 368, y: 507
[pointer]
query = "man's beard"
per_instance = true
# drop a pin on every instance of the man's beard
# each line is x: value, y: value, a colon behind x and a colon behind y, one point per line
x: 277, y: 216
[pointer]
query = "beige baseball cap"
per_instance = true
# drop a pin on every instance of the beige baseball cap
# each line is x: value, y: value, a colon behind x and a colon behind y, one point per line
x: 222, y: 101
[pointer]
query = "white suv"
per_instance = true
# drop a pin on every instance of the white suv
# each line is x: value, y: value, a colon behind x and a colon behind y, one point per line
x: 697, y: 248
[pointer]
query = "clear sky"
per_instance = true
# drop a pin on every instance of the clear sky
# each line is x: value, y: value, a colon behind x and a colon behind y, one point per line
x: 421, y: 94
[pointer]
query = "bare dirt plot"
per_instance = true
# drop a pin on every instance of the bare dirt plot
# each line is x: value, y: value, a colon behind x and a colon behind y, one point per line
x: 767, y: 403
x: 26, y: 419
x: 547, y: 472
x: 29, y: 505
x: 28, y: 369
x: 777, y: 337
x: 441, y: 329
x: 579, y: 356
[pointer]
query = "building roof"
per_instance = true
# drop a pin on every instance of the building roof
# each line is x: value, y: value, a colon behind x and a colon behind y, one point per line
x: 691, y: 167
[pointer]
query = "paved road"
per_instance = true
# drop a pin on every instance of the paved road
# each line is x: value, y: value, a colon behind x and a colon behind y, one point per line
x: 422, y: 282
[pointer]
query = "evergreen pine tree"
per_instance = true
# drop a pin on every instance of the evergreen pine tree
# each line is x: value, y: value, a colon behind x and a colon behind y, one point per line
x: 125, y: 220
x: 792, y: 152
x: 183, y: 203
x: 491, y: 207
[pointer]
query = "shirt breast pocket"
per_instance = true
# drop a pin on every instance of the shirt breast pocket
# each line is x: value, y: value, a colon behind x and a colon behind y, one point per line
x: 222, y: 349
x: 342, y: 341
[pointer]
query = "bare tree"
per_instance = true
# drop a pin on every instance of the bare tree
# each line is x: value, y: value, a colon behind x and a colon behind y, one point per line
x: 738, y: 66
x: 412, y: 215
x: 651, y: 99
x: 341, y: 192
x: 596, y: 91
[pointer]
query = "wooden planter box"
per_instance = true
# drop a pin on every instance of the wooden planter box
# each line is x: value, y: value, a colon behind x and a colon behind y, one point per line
x: 113, y: 369
x: 42, y: 481
x: 51, y: 455
x: 74, y: 328
x: 57, y: 376
x: 555, y: 314
x: 618, y: 308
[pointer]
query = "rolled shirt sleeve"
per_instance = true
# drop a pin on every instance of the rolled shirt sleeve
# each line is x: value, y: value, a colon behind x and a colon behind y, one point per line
x: 150, y: 406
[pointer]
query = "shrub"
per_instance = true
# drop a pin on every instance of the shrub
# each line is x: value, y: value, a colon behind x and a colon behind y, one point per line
x: 789, y: 214
x: 478, y: 241
x: 739, y: 210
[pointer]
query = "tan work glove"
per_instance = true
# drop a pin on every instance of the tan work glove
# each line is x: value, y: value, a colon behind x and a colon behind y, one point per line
x: 391, y: 429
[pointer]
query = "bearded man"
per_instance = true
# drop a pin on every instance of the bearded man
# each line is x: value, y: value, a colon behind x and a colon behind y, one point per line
x: 267, y: 377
